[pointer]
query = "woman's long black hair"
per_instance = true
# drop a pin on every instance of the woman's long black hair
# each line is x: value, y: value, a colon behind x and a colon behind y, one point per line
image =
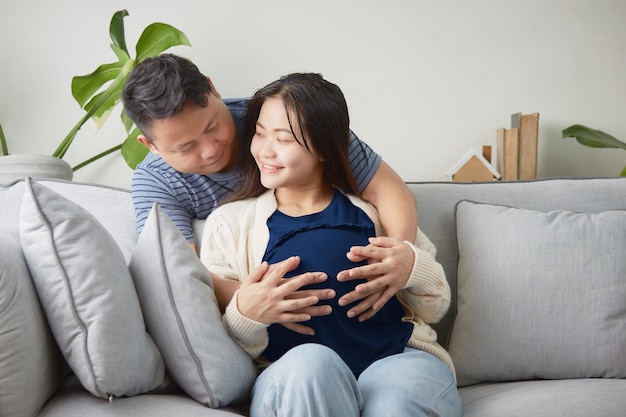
x: 321, y: 113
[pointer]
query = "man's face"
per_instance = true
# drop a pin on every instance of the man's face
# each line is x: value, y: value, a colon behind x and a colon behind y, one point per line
x: 197, y: 140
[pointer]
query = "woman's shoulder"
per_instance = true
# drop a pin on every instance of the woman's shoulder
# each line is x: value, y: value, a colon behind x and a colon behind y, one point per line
x: 232, y: 206
x: 248, y: 206
x: 369, y: 209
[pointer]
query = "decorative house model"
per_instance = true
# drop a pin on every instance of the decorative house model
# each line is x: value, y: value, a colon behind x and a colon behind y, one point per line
x: 474, y: 167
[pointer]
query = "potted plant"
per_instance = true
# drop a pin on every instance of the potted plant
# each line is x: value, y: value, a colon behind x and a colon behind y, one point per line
x: 98, y: 93
x: 594, y: 139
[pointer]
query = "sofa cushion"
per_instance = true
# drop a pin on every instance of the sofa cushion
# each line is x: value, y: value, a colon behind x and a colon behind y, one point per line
x: 88, y: 296
x: 182, y: 315
x: 73, y: 401
x: 572, y: 398
x: 111, y: 206
x: 31, y: 366
x: 437, y: 201
x: 540, y: 295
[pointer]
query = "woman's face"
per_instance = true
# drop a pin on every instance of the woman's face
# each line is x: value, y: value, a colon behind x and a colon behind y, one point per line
x: 282, y: 160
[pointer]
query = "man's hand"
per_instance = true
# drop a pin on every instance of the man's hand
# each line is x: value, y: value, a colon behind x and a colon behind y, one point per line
x: 267, y: 297
x: 314, y: 310
x: 390, y: 262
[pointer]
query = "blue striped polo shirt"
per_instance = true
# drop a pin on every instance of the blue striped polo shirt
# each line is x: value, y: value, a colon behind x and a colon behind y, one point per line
x: 185, y: 197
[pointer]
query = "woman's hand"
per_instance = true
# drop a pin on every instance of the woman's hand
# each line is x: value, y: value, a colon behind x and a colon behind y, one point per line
x: 267, y: 297
x: 390, y: 262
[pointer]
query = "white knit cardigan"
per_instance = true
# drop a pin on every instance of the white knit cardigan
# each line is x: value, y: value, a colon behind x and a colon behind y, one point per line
x: 235, y: 239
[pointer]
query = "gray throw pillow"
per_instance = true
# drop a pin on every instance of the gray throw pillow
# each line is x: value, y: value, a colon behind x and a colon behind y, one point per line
x: 88, y: 296
x: 183, y: 316
x: 540, y: 295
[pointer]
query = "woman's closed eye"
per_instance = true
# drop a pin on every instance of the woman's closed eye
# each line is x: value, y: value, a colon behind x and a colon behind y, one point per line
x: 285, y: 139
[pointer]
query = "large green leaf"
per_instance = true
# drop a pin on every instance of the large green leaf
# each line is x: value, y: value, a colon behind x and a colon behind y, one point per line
x: 156, y: 38
x: 592, y: 138
x: 98, y: 99
x: 96, y: 106
x: 126, y: 121
x: 110, y: 99
x: 121, y: 54
x: 101, y: 104
x: 133, y: 151
x: 85, y: 86
x: 116, y: 30
x: 101, y: 114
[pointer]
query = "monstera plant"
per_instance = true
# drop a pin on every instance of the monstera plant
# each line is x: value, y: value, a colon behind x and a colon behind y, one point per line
x: 100, y: 92
x: 594, y: 139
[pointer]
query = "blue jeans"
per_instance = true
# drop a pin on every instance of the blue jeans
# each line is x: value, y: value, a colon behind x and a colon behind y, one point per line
x: 312, y: 380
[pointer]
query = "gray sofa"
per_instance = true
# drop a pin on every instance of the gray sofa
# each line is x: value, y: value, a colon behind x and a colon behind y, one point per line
x: 537, y: 326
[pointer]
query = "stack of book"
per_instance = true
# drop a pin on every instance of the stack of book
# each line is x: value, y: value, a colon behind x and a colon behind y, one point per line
x: 517, y: 148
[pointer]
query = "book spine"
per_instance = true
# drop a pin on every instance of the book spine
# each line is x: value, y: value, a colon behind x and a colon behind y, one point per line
x: 507, y: 149
x: 528, y: 126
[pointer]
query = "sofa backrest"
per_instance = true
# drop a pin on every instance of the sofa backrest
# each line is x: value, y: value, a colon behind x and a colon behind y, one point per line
x: 436, y: 203
x: 110, y: 205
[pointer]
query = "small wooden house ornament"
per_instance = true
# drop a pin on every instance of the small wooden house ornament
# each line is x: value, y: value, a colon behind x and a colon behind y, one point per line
x: 474, y: 167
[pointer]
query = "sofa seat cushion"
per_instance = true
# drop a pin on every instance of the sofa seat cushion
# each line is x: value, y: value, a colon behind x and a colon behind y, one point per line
x: 88, y: 296
x: 540, y: 295
x: 74, y: 401
x: 569, y: 397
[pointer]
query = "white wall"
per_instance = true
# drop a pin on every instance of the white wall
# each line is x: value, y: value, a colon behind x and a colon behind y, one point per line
x: 425, y: 80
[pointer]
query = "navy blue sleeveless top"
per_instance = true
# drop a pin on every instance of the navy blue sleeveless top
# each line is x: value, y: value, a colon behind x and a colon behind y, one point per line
x: 322, y: 241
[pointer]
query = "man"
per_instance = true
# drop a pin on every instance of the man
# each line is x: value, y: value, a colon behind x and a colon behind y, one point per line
x: 194, y: 137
